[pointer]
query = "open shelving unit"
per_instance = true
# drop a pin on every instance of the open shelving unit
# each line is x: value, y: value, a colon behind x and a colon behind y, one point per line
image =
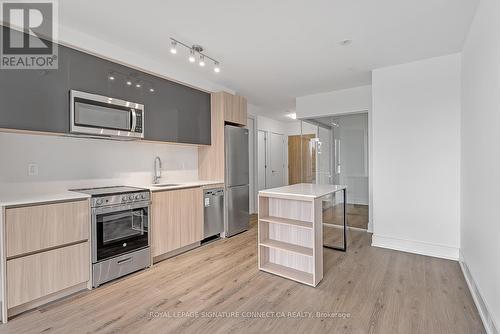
x: 290, y: 238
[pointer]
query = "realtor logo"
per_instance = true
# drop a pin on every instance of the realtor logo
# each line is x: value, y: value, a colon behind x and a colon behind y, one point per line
x: 27, y: 35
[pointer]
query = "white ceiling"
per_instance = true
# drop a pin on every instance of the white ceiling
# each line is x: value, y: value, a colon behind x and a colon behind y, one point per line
x: 274, y: 51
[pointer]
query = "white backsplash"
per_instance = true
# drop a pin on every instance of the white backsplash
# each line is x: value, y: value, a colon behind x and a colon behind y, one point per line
x: 67, y: 162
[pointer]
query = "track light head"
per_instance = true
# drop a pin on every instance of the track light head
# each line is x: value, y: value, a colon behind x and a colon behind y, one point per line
x: 192, y: 57
x: 173, y: 47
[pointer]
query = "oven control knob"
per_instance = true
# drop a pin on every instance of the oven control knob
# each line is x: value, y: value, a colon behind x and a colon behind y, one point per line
x: 98, y: 201
x: 143, y: 196
x: 137, y: 197
x: 124, y: 198
x: 131, y: 197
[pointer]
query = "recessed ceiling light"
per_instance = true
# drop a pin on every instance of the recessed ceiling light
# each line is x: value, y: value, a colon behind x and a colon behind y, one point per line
x: 346, y: 42
x: 292, y: 115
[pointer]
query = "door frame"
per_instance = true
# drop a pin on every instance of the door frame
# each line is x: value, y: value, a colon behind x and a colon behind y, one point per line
x: 266, y: 158
x: 255, y: 164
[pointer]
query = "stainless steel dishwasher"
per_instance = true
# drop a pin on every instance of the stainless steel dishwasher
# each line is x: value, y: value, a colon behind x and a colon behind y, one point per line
x: 213, y: 201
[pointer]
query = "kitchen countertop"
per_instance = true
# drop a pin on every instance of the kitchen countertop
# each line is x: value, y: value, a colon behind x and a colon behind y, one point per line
x: 180, y: 185
x: 12, y: 196
x: 304, y: 190
x: 16, y: 198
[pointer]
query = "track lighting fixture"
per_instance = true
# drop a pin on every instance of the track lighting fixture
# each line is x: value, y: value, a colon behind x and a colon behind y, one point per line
x: 194, y: 50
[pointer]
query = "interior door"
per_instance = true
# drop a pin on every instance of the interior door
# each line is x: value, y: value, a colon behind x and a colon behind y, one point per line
x: 277, y: 160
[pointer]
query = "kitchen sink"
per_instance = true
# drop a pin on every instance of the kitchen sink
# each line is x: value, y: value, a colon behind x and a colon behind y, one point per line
x: 162, y: 185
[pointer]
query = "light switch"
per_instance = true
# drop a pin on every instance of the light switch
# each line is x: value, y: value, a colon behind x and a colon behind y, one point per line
x: 32, y: 169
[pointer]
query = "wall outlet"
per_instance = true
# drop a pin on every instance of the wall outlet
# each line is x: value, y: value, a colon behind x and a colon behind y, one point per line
x: 32, y: 169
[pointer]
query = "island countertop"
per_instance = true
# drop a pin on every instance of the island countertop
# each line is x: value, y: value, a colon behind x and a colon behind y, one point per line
x: 303, y: 190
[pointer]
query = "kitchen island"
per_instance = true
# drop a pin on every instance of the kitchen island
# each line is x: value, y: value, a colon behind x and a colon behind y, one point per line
x: 290, y: 237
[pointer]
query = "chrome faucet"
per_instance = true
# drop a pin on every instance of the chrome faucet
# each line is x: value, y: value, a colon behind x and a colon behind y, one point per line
x: 157, y: 175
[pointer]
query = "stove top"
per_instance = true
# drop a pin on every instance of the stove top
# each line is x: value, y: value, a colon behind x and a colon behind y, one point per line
x: 108, y: 191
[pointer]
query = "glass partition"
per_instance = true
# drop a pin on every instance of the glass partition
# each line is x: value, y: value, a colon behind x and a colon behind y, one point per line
x: 334, y: 221
x: 311, y: 154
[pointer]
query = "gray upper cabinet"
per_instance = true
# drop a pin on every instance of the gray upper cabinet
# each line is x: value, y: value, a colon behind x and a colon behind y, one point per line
x: 176, y: 113
x: 36, y: 100
x: 39, y: 100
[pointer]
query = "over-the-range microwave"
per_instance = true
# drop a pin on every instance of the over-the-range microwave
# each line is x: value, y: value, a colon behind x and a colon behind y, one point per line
x: 98, y: 115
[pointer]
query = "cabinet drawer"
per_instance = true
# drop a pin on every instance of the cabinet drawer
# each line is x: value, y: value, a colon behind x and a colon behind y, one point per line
x: 38, y: 275
x: 35, y: 228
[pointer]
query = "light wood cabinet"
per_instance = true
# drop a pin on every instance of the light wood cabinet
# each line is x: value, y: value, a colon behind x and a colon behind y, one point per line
x: 46, y: 253
x: 35, y: 228
x: 235, y: 108
x: 39, y: 275
x: 225, y: 107
x: 177, y: 219
x: 211, y: 158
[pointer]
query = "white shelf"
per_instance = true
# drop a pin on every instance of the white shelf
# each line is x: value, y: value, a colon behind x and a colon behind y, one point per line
x: 288, y: 247
x: 286, y: 221
x: 294, y: 274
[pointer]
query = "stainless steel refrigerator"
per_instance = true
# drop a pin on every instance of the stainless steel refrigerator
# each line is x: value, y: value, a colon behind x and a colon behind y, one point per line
x: 236, y: 180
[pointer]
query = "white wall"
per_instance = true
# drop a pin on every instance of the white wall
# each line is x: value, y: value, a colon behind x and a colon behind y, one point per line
x: 480, y: 245
x: 66, y: 161
x: 416, y: 156
x: 336, y: 102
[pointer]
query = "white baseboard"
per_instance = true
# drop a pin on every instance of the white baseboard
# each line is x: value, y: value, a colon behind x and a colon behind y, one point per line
x: 370, y: 226
x: 416, y: 247
x: 482, y: 306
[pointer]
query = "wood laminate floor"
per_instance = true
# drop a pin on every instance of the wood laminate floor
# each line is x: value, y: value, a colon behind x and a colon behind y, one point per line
x: 218, y: 289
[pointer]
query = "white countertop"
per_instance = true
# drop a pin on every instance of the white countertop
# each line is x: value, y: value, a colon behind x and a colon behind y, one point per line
x: 180, y: 185
x: 304, y: 190
x: 36, y: 194
x: 15, y: 198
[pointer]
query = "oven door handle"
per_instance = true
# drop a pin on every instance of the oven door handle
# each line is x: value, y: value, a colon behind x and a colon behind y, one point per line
x: 121, y: 207
x: 124, y: 261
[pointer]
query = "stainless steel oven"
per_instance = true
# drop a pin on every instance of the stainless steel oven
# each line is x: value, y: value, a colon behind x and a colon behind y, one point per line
x: 120, y: 231
x: 98, y: 115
